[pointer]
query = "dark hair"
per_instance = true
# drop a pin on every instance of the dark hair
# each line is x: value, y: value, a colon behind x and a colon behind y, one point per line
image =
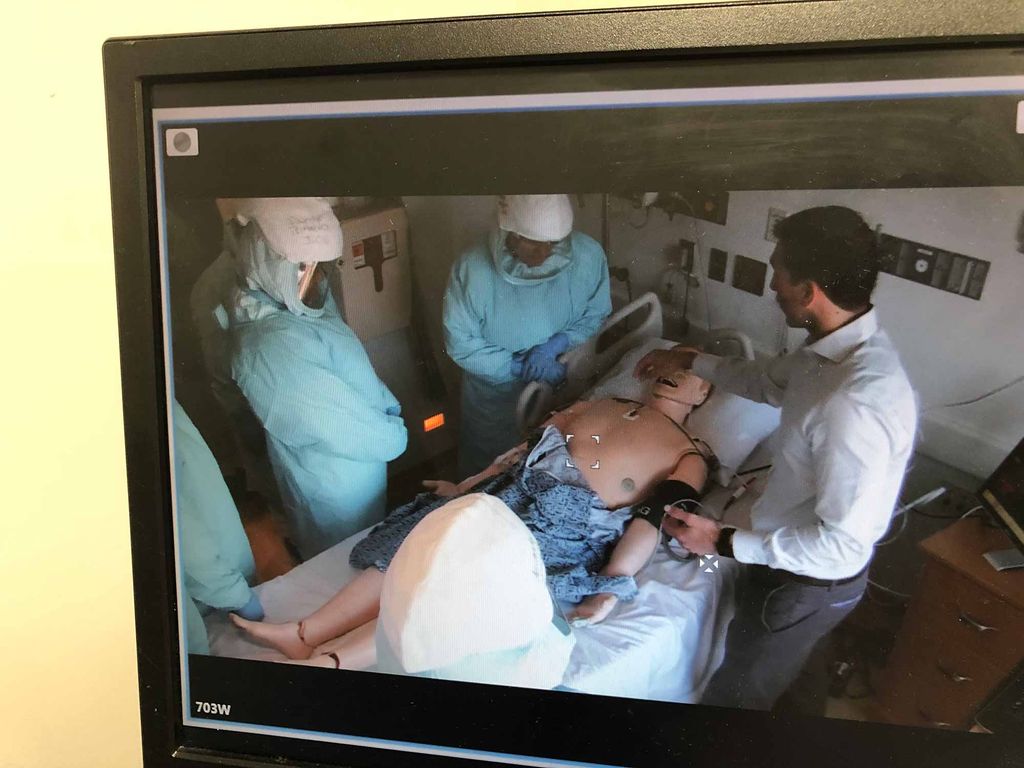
x: 834, y: 247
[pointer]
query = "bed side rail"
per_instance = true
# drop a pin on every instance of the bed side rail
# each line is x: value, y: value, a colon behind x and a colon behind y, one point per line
x: 625, y: 329
x: 728, y: 342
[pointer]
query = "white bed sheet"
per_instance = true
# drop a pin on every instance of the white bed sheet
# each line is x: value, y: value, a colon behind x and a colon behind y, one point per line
x: 664, y: 645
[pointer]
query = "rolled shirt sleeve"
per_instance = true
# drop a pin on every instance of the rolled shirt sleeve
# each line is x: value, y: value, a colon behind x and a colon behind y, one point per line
x: 852, y: 453
x: 763, y: 381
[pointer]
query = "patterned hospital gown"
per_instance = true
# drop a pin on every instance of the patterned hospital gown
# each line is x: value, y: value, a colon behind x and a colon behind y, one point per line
x: 574, y: 529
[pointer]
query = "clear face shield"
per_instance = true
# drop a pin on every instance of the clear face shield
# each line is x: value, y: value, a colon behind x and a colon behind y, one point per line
x: 312, y: 291
x: 532, y: 253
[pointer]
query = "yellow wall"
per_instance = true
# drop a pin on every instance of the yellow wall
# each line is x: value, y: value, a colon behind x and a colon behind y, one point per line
x: 67, y: 646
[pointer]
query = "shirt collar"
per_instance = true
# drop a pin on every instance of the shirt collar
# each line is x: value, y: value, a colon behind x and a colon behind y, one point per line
x: 838, y: 345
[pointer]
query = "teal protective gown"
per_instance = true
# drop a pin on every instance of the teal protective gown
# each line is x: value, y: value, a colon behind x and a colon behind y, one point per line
x: 331, y: 424
x: 196, y: 638
x: 216, y: 559
x: 496, y: 306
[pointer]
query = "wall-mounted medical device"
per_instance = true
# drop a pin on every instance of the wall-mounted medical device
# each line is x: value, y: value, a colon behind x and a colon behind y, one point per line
x: 375, y: 272
x: 935, y: 267
x: 749, y: 275
x: 717, y: 262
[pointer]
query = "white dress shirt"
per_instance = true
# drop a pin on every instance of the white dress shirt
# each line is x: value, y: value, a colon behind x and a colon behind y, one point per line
x: 849, y: 417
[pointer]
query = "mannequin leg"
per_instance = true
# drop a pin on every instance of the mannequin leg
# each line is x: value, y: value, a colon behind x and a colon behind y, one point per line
x: 357, y: 603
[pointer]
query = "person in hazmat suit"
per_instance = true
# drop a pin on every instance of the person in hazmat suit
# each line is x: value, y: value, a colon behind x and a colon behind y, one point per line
x: 331, y: 424
x: 514, y: 303
x: 216, y: 561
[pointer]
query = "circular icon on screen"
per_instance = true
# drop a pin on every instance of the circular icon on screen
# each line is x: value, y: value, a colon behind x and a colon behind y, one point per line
x: 182, y: 142
x: 921, y: 265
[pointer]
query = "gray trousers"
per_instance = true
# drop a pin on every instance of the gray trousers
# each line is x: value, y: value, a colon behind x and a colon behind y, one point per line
x: 777, y: 624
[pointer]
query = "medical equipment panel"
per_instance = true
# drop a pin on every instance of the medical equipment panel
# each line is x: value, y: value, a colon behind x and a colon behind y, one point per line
x: 375, y: 272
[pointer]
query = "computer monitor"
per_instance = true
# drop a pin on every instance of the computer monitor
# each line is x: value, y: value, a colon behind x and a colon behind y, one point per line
x: 1003, y: 495
x: 322, y: 298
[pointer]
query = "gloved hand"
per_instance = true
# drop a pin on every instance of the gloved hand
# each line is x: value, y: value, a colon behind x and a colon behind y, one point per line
x: 548, y: 370
x: 541, y: 362
x: 252, y: 610
x: 518, y: 365
x: 553, y: 373
x: 553, y: 347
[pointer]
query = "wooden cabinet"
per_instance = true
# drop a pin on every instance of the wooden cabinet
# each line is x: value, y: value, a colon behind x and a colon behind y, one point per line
x: 962, y: 635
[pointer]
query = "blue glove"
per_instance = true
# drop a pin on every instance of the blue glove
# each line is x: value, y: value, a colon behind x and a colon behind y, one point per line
x: 533, y: 368
x: 540, y: 360
x: 547, y: 370
x: 553, y: 373
x: 518, y: 365
x: 253, y: 610
x: 554, y: 346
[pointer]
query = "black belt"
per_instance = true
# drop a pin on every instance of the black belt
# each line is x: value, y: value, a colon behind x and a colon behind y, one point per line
x: 810, y: 580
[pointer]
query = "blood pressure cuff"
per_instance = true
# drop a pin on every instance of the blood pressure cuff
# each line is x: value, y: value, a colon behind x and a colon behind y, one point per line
x: 667, y: 492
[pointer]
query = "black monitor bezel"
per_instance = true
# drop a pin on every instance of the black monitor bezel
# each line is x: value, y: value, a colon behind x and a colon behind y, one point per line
x: 133, y: 66
x: 994, y: 504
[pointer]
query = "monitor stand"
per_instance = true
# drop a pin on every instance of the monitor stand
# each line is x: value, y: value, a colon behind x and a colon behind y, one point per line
x: 1005, y: 559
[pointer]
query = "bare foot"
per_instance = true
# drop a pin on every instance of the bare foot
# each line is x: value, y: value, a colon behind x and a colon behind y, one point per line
x: 592, y: 610
x: 283, y: 637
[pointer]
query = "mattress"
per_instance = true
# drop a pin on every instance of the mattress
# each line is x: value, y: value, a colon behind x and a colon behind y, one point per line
x: 663, y: 645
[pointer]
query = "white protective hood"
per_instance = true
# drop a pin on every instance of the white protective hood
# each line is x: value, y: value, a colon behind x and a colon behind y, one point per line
x: 300, y: 229
x: 544, y: 218
x: 466, y: 598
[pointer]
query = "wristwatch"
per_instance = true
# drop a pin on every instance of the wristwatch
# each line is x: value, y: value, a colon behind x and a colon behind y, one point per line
x: 724, y: 545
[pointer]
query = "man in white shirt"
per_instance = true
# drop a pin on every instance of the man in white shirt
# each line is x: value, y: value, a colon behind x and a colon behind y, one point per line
x: 849, y: 417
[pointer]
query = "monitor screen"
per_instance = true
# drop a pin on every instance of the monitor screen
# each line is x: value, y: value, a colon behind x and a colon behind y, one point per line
x: 404, y: 322
x: 1004, y: 494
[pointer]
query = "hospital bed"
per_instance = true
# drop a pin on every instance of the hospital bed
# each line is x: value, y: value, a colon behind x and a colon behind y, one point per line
x: 665, y: 644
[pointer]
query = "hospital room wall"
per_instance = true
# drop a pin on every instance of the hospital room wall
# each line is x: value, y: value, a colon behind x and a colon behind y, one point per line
x: 440, y: 228
x: 953, y: 347
x: 639, y: 238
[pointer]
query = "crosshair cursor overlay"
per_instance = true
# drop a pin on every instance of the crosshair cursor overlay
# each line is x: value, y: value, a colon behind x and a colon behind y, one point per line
x: 708, y: 563
x: 568, y: 462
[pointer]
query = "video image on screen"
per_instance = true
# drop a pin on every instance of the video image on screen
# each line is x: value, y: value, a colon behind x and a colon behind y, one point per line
x: 453, y: 397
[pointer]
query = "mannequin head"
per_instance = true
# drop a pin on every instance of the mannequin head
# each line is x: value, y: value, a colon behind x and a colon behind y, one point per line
x: 677, y: 394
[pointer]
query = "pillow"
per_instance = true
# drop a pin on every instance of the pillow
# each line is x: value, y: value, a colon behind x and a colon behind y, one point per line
x: 732, y: 425
x: 619, y: 381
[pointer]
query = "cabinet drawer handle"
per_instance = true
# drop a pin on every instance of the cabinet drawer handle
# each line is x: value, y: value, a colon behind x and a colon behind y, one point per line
x: 966, y: 618
x: 936, y: 723
x: 956, y: 678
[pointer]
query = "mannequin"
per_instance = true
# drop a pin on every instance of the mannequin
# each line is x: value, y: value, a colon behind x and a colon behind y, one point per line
x: 630, y: 454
